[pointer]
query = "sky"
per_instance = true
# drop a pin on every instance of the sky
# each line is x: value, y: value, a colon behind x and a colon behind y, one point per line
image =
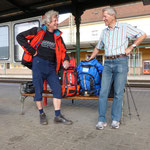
x: 62, y: 17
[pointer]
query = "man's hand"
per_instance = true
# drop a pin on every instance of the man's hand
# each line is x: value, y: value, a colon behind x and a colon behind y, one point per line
x: 88, y: 59
x: 128, y: 50
x: 66, y: 64
x: 35, y: 54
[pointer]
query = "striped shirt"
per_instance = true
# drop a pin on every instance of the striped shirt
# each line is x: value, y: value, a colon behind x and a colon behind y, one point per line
x: 115, y: 41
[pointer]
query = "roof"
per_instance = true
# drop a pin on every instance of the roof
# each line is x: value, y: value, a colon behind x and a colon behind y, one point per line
x: 11, y: 10
x: 95, y: 15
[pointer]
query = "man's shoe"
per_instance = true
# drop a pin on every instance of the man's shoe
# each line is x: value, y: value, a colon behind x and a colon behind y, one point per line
x: 43, y: 119
x: 100, y: 125
x: 115, y: 124
x: 62, y: 119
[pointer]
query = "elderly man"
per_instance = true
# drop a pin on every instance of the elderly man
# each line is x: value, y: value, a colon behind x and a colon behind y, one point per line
x: 115, y: 40
x: 48, y: 52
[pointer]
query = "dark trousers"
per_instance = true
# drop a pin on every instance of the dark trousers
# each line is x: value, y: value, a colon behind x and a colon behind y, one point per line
x: 45, y: 70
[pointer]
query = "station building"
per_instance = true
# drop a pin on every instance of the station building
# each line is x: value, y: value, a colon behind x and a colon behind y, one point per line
x: 91, y: 26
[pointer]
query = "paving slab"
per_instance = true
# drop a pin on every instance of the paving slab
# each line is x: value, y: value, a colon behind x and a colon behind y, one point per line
x: 23, y: 132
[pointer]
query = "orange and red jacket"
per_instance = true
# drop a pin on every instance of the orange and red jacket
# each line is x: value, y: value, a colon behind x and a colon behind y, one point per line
x: 36, y: 38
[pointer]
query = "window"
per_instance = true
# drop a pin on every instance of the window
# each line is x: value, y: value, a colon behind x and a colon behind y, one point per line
x: 98, y: 57
x: 146, y: 65
x: 135, y: 60
x: 4, y: 44
x: 94, y: 34
x: 2, y: 66
x: 8, y: 65
x: 20, y: 27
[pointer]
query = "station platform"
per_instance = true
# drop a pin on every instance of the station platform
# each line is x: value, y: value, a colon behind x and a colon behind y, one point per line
x: 24, y: 132
x: 139, y: 77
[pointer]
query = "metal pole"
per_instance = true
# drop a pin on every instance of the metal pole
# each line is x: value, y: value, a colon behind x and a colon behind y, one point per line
x: 78, y: 44
x: 139, y: 66
x: 77, y: 21
x: 134, y: 61
x: 4, y: 68
x: 77, y: 12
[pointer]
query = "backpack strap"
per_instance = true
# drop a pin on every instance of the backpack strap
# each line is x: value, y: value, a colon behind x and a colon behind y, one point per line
x: 66, y: 77
x: 91, y: 84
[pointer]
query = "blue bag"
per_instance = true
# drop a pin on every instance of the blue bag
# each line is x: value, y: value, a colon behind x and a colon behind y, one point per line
x: 89, y: 76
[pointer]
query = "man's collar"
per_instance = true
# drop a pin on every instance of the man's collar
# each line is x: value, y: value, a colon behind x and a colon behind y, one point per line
x: 117, y: 25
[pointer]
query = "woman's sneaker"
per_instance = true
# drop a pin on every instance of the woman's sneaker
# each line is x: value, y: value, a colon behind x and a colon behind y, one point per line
x: 100, y: 125
x: 115, y: 124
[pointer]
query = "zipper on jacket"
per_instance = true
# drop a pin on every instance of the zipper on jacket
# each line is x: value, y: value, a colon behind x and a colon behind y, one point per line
x: 57, y: 46
x: 40, y: 40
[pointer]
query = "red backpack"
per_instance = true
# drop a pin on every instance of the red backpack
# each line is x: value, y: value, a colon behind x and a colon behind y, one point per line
x: 68, y: 79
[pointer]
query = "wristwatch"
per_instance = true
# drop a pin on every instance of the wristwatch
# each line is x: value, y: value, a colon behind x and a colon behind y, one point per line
x: 134, y: 45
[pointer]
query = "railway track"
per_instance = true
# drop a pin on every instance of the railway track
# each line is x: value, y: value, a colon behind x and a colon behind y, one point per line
x: 14, y: 80
x: 139, y: 83
x: 132, y: 83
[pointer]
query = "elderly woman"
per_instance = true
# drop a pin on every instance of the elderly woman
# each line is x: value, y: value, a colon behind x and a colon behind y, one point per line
x: 47, y: 52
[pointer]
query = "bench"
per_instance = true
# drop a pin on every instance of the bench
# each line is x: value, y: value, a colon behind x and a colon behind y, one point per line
x: 48, y: 94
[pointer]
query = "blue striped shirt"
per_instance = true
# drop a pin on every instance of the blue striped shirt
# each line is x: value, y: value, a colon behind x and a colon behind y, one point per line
x: 115, y: 41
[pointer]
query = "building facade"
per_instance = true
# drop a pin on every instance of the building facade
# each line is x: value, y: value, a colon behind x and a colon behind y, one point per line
x: 92, y: 25
x: 90, y: 29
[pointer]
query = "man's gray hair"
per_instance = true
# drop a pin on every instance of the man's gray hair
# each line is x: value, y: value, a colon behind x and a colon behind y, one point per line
x: 48, y: 16
x: 111, y: 11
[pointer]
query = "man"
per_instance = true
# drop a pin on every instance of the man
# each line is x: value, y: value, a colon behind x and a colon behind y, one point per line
x: 48, y: 52
x: 115, y: 40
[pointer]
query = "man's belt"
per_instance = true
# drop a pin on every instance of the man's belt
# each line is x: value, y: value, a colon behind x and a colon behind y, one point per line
x: 115, y: 56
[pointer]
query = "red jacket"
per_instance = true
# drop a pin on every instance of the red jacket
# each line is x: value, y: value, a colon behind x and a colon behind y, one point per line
x: 36, y: 38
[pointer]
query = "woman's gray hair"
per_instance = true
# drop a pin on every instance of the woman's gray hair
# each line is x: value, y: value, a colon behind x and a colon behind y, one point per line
x: 48, y: 16
x: 111, y: 11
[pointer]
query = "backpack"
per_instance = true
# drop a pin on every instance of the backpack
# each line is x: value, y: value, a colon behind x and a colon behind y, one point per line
x: 89, y: 74
x: 27, y: 87
x: 68, y: 80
